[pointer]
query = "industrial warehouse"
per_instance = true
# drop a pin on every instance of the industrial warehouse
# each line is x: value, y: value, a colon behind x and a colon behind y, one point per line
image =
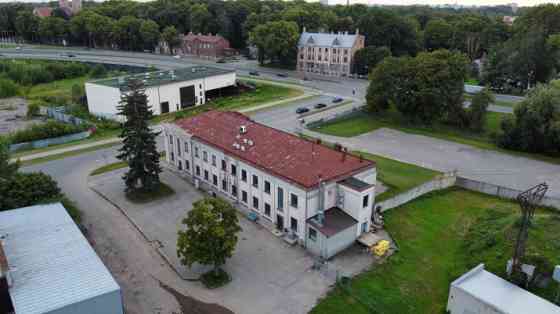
x: 167, y: 91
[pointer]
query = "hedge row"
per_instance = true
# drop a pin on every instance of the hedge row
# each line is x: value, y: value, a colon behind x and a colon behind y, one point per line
x: 31, y: 72
x: 50, y: 129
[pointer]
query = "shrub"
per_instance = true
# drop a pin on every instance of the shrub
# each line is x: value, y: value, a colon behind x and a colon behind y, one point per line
x: 50, y: 129
x: 98, y: 71
x: 26, y: 189
x: 33, y: 109
x: 8, y: 88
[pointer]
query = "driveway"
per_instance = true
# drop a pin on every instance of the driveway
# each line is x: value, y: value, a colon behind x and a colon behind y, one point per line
x: 269, y: 276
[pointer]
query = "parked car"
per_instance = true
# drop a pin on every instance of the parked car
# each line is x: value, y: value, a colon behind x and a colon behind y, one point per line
x: 18, y: 48
x: 254, y: 73
x: 177, y: 56
x: 221, y: 60
x: 301, y: 110
x: 320, y: 105
x: 281, y: 75
x: 337, y: 100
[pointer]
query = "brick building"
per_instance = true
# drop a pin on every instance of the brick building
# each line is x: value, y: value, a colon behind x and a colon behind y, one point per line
x: 330, y: 54
x: 206, y: 46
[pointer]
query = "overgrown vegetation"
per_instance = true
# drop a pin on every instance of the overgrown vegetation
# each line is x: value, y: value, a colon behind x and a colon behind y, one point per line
x: 442, y: 234
x: 50, y: 129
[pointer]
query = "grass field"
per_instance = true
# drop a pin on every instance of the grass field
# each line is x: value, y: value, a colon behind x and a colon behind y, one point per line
x: 441, y: 236
x: 61, y: 89
x: 109, y: 167
x: 67, y: 154
x: 398, y: 176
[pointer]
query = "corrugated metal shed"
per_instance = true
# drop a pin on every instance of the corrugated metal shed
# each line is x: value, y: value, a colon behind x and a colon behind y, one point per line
x: 497, y: 294
x: 51, y: 263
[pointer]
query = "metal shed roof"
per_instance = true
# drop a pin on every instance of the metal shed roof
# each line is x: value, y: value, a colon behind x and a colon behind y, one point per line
x: 501, y: 294
x: 51, y: 263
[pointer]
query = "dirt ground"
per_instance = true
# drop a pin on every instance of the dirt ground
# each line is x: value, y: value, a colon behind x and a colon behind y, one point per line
x: 13, y: 115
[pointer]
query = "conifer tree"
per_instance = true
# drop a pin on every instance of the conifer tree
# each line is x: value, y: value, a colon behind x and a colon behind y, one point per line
x: 139, y: 149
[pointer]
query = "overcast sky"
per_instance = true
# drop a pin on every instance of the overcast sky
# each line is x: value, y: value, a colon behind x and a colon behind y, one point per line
x: 407, y: 2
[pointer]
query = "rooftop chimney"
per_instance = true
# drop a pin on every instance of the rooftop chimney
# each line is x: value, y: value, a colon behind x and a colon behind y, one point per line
x: 243, y: 129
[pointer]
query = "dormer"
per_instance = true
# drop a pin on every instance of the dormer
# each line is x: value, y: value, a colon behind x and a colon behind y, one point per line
x: 310, y: 41
x: 336, y: 42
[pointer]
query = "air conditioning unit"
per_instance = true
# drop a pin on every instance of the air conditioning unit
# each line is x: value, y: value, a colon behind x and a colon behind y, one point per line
x: 243, y: 129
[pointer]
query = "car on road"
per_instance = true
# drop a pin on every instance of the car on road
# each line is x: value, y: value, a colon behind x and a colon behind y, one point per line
x: 254, y: 73
x: 70, y: 55
x: 281, y: 75
x: 320, y: 105
x: 177, y: 56
x: 301, y: 110
x: 337, y: 100
x: 222, y: 60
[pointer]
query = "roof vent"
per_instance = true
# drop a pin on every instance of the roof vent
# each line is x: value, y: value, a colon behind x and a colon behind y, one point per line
x: 245, y: 140
x: 243, y: 129
x: 242, y: 148
x: 251, y: 143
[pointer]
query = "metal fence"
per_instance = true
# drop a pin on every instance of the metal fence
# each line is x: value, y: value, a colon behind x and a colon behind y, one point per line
x: 58, y: 113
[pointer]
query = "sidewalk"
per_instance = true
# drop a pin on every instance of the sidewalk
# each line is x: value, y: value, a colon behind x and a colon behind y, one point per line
x: 67, y: 149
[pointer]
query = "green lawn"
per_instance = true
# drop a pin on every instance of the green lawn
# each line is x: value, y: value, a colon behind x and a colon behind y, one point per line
x: 441, y: 236
x: 67, y: 154
x: 363, y: 122
x: 109, y: 167
x: 398, y: 176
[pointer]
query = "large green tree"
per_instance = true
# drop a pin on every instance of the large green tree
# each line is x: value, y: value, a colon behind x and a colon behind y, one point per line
x: 171, y: 37
x: 139, y: 149
x: 276, y: 40
x: 211, y: 232
x: 200, y: 18
x: 27, y: 25
x: 7, y: 168
x: 367, y: 58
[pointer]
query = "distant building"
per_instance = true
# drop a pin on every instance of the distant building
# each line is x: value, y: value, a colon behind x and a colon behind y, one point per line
x: 48, y: 266
x: 329, y: 54
x: 167, y: 91
x: 509, y: 19
x: 315, y: 195
x: 481, y: 292
x: 206, y: 46
x: 69, y: 9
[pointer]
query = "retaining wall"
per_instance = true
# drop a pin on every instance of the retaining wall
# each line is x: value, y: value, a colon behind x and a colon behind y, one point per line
x: 50, y: 141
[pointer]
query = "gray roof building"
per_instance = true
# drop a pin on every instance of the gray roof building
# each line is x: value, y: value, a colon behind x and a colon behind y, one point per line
x: 481, y: 292
x: 51, y: 268
x: 339, y: 40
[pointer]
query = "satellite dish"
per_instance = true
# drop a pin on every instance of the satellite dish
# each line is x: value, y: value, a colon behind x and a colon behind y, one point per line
x: 556, y: 274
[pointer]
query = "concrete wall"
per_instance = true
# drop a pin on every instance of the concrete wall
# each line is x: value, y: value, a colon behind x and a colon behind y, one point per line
x: 460, y: 302
x: 103, y: 100
x: 441, y: 182
x: 329, y: 247
x: 500, y: 191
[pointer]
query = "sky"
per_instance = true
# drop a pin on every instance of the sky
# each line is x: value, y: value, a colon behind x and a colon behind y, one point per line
x: 409, y: 2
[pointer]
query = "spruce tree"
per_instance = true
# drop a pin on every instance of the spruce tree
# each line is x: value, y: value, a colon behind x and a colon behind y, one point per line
x: 139, y: 149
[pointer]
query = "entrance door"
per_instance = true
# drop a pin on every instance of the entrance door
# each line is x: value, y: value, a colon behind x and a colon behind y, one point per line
x: 165, y: 107
x: 187, y: 96
x: 280, y: 222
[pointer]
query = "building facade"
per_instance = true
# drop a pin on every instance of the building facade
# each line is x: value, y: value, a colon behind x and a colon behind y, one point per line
x: 322, y: 198
x: 330, y: 54
x: 206, y: 46
x: 167, y: 91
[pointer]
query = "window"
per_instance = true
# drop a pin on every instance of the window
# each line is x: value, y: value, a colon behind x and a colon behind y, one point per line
x: 215, y: 180
x: 293, y: 224
x: 294, y: 200
x: 280, y: 198
x: 206, y: 175
x: 364, y: 227
x: 365, y: 201
x: 224, y: 165
x: 244, y: 196
x: 267, y: 209
x: 267, y: 187
x: 205, y: 156
x: 172, y: 156
x: 196, y: 151
x: 243, y: 175
x: 233, y: 170
x: 214, y: 160
x: 178, y: 147
x: 180, y: 165
x: 197, y: 171
x: 187, y: 147
x: 171, y: 139
x: 187, y: 165
x: 255, y: 203
x: 255, y: 181
x: 234, y: 190
x: 312, y: 234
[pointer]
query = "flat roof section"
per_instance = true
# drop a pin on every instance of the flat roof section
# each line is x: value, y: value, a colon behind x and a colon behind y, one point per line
x: 158, y: 78
x: 336, y: 220
x: 51, y: 263
x: 356, y: 184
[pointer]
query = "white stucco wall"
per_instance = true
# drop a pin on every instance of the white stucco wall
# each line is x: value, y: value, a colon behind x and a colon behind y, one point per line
x: 102, y: 100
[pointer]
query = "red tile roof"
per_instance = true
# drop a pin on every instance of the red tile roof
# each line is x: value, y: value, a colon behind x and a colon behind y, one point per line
x: 276, y: 152
x: 43, y: 11
x: 204, y: 38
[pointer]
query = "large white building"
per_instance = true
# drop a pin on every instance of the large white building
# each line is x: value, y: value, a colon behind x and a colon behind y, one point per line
x: 48, y: 266
x: 167, y: 91
x: 481, y: 292
x: 321, y: 196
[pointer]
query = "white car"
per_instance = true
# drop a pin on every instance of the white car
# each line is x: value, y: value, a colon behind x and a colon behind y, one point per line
x: 177, y: 56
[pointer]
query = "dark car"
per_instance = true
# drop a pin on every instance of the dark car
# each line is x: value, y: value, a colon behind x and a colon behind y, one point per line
x: 222, y: 60
x: 301, y: 110
x: 319, y: 106
x: 254, y: 73
x: 70, y: 55
x: 281, y: 75
x: 337, y: 100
